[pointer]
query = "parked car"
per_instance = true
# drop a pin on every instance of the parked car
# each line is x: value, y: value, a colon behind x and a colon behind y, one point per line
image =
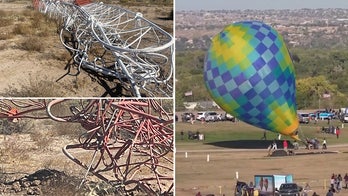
x: 211, y: 116
x: 345, y: 118
x: 325, y: 115
x: 229, y: 117
x: 312, y: 116
x: 208, y: 116
x: 201, y: 116
x: 289, y: 189
x: 303, y: 118
x: 187, y: 116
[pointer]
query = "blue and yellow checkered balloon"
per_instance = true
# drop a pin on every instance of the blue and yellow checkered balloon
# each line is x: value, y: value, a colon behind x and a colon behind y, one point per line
x: 249, y: 73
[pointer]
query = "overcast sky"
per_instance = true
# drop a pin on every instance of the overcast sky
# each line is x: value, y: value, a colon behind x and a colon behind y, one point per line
x: 257, y: 4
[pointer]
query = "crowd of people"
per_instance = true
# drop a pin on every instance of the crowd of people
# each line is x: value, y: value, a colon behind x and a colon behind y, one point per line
x: 337, y: 182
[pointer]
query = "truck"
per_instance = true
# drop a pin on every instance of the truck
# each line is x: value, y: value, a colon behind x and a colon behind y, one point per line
x: 289, y: 189
x: 267, y: 185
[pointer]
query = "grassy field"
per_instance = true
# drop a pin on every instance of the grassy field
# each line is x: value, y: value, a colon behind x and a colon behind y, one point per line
x: 217, y: 176
x: 229, y: 131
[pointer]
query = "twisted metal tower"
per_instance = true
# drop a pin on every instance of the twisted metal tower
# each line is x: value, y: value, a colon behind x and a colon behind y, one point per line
x: 131, y: 141
x: 117, y: 43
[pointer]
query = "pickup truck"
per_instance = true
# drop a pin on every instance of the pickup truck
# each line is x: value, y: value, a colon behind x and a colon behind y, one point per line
x: 289, y: 189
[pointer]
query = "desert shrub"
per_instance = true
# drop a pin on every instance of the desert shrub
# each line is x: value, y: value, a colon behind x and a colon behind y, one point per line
x: 2, y: 47
x: 9, y: 127
x: 13, y: 149
x: 28, y: 13
x: 5, y: 22
x: 37, y: 20
x: 22, y: 29
x: 36, y: 88
x: 33, y: 44
x: 5, y: 36
x: 3, y: 174
x: 21, y: 19
x: 64, y: 56
x: 3, y: 13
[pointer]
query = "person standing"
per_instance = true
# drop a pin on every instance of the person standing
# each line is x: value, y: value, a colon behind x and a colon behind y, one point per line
x: 274, y: 145
x: 339, y: 183
x: 338, y: 131
x: 329, y: 193
x: 324, y: 144
x: 332, y: 182
x: 285, y: 145
x: 346, y: 180
x: 264, y: 136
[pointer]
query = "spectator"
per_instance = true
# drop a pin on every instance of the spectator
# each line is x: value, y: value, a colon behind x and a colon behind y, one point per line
x: 315, y: 194
x: 251, y: 189
x: 285, y: 145
x: 329, y: 193
x: 338, y: 131
x: 332, y: 181
x: 295, y: 144
x: 307, y: 187
x: 339, y: 183
x: 346, y: 180
x: 274, y: 145
x: 264, y: 136
x: 182, y: 135
x: 324, y: 144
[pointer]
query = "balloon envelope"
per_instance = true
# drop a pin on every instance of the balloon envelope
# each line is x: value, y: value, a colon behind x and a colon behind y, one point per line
x: 249, y: 73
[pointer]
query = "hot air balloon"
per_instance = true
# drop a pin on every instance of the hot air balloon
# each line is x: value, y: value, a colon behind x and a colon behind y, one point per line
x: 249, y: 73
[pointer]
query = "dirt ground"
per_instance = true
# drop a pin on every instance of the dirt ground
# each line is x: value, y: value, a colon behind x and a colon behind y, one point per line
x: 23, y: 71
x: 218, y: 176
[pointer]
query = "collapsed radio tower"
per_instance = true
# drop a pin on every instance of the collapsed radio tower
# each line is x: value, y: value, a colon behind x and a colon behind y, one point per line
x: 131, y: 141
x: 115, y: 43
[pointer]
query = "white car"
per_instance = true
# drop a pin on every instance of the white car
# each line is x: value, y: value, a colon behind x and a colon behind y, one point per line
x: 201, y: 116
x: 207, y: 116
x: 212, y: 116
x: 303, y: 117
x: 345, y: 118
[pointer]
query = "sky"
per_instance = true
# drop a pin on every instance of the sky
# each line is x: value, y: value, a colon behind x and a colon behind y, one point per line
x: 257, y: 4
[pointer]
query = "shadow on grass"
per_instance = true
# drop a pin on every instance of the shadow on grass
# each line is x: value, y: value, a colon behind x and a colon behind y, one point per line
x: 249, y: 144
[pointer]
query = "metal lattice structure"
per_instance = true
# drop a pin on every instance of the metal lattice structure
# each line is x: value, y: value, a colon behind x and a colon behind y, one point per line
x: 117, y: 43
x: 131, y: 141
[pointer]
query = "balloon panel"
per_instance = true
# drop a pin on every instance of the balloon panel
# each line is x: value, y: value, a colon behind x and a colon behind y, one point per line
x: 249, y: 73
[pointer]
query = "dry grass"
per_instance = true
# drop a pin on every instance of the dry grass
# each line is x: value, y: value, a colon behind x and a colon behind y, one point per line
x: 35, y: 87
x: 5, y: 18
x: 33, y: 44
x: 20, y: 126
x: 2, y: 47
x: 5, y: 22
x: 5, y: 36
x: 13, y: 149
x: 70, y: 130
x: 22, y: 29
x: 42, y: 140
